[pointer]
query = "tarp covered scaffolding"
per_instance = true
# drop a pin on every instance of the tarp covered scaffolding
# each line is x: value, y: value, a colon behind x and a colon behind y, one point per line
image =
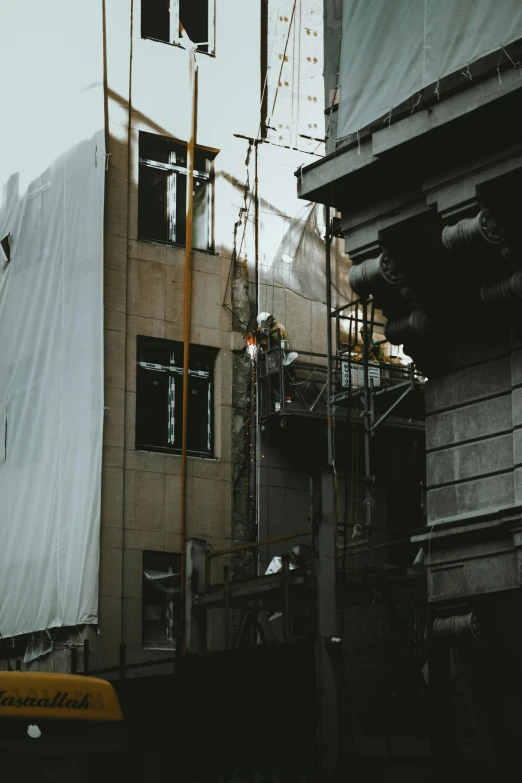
x: 51, y: 316
x: 391, y: 50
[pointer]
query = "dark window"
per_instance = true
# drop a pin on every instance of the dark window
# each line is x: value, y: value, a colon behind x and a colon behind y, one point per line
x: 162, y: 192
x: 159, y: 397
x: 155, y: 19
x: 193, y: 16
x: 174, y: 20
x: 161, y: 599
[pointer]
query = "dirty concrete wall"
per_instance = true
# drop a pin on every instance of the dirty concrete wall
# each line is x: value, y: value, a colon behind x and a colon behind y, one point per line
x: 144, y: 285
x: 292, y: 454
x: 148, y: 89
x: 472, y: 429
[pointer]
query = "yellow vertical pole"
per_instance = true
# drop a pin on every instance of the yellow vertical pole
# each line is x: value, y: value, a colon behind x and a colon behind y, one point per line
x: 187, y: 314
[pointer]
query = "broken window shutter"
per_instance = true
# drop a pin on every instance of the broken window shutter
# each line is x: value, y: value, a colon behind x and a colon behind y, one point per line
x: 174, y: 34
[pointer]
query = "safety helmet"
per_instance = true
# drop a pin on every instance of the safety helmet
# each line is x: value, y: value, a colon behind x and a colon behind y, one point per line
x: 262, y: 317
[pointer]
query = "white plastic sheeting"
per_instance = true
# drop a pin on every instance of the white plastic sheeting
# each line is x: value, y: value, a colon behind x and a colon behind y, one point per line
x: 299, y: 263
x: 392, y: 49
x: 51, y: 314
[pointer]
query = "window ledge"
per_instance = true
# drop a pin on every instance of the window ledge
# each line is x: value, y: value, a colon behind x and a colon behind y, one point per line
x: 175, y: 43
x: 167, y: 453
x: 166, y: 243
x: 160, y: 40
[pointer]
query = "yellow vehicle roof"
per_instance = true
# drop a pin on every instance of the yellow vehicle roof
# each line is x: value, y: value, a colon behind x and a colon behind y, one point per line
x: 57, y: 696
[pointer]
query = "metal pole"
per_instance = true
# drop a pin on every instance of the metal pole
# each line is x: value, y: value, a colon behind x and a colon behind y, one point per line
x: 286, y: 587
x: 367, y: 430
x: 323, y: 524
x: 260, y: 542
x: 226, y: 579
x: 187, y: 311
x: 255, y: 409
x: 329, y: 362
x: 195, y: 621
x: 256, y: 218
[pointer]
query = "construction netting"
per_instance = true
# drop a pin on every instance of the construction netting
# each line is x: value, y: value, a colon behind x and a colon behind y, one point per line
x: 51, y: 314
x: 391, y: 50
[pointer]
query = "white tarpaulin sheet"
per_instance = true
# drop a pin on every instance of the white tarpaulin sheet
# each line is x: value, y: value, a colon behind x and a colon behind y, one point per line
x: 299, y: 263
x: 392, y: 49
x: 52, y: 159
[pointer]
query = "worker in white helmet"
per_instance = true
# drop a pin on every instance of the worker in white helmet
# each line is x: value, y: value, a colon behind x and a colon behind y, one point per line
x: 272, y: 334
x: 271, y: 328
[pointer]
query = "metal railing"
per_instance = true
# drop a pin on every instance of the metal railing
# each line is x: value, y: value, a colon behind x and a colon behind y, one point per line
x: 301, y: 387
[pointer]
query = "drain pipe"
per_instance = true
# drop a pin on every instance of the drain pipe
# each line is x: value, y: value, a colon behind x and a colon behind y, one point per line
x: 329, y: 360
x: 186, y: 319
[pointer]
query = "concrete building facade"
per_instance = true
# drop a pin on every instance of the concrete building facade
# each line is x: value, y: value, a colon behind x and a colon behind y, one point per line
x: 259, y: 97
x: 144, y: 278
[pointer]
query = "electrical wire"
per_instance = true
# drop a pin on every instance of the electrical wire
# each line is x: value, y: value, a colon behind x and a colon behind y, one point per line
x: 301, y: 383
x: 265, y: 85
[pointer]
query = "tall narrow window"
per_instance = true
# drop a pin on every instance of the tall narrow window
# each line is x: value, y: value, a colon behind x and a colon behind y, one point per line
x: 161, y: 600
x: 159, y: 397
x: 194, y: 21
x: 162, y: 191
x: 185, y: 22
x: 155, y: 19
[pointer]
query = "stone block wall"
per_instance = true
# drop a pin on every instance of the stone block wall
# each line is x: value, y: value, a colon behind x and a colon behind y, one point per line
x: 473, y: 436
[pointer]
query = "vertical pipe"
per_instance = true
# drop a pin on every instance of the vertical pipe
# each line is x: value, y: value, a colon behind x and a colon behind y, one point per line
x: 129, y: 233
x: 325, y: 626
x: 257, y: 433
x: 187, y: 310
x: 226, y: 580
x: 285, y: 562
x: 367, y: 430
x: 74, y: 660
x: 329, y: 362
x: 256, y: 219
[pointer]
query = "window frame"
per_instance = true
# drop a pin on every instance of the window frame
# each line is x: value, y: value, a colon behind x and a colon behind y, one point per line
x: 174, y: 37
x: 173, y: 169
x: 174, y: 370
x: 175, y: 557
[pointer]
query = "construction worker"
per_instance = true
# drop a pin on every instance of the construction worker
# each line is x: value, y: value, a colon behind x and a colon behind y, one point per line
x: 271, y: 334
x: 375, y: 347
x: 271, y: 329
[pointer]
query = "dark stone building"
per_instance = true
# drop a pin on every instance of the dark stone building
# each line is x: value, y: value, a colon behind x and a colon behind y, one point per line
x: 429, y: 198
